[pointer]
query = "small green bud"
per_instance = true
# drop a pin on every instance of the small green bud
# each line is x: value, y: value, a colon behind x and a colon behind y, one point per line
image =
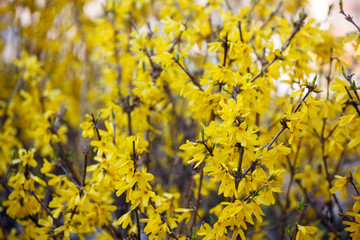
x: 343, y: 71
x: 341, y: 5
x: 202, y: 133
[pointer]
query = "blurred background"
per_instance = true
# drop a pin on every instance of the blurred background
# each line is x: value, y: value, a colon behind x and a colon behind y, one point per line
x: 325, y: 12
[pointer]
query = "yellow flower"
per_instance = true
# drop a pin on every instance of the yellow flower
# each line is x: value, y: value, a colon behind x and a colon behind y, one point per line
x: 47, y: 167
x: 27, y: 157
x: 340, y: 184
x: 340, y: 86
x: 125, y: 220
x: 304, y: 232
x: 88, y: 127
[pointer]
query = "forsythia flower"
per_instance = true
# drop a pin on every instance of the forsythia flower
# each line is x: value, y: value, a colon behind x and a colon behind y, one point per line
x: 340, y: 184
x: 304, y: 232
x: 88, y: 127
x: 27, y: 157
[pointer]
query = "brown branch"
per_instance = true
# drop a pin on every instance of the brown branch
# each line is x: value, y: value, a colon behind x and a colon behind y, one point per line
x: 128, y: 109
x: 210, y: 151
x: 301, y: 213
x: 8, y: 102
x: 198, y: 199
x: 264, y: 69
x: 254, y: 163
x: 134, y: 156
x: 225, y: 45
x: 271, y: 15
x: 328, y: 77
x: 163, y: 219
x: 322, y: 217
x: 4, y: 179
x: 352, y: 102
x: 96, y: 126
x: 295, y: 31
x: 287, y: 198
x: 239, y: 170
x: 324, y: 158
x: 351, y: 181
x: 138, y: 224
x: 178, y: 37
x: 113, y: 231
x: 347, y: 16
x: 57, y: 221
x: 349, y: 79
x: 85, y: 152
x: 114, y: 126
x: 284, y: 46
x: 192, y: 78
x: 240, y: 32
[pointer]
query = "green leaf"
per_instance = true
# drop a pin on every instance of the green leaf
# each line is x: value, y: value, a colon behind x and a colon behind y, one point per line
x: 341, y: 5
x: 212, y: 220
x: 68, y: 155
x: 343, y: 71
x: 56, y: 158
x: 98, y: 116
x: 302, y: 205
x: 202, y: 133
x: 302, y: 14
x: 193, y: 236
x: 13, y: 154
x: 288, y: 228
x: 225, y: 90
x: 353, y: 86
x: 314, y: 80
x: 330, y: 9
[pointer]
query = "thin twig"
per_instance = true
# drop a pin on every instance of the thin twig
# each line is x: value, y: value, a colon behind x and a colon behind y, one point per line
x: 4, y: 179
x: 352, y: 102
x: 192, y: 78
x: 301, y: 213
x: 178, y: 37
x: 138, y: 224
x: 68, y: 174
x: 96, y: 126
x: 240, y: 32
x: 287, y: 198
x: 254, y: 163
x: 347, y: 16
x: 225, y: 45
x: 323, y: 218
x: 85, y: 152
x: 350, y: 180
x: 284, y: 46
x: 271, y: 15
x: 198, y: 199
x: 324, y: 158
x: 239, y: 170
x: 13, y: 93
x: 58, y: 222
x: 328, y: 77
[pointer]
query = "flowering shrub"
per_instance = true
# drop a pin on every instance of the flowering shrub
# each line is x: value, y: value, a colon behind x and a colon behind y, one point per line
x: 166, y: 119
